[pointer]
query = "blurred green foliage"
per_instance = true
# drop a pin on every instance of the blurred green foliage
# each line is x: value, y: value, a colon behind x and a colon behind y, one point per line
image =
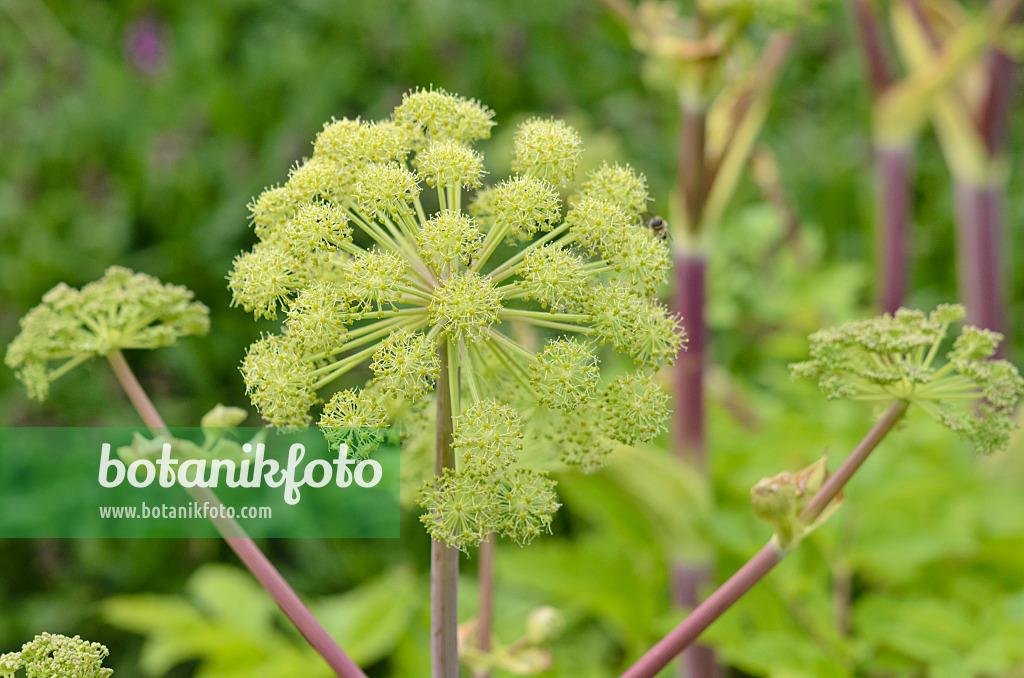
x: 135, y: 133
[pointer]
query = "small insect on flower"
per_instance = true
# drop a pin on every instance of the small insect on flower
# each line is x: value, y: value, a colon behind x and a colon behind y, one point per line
x: 659, y: 228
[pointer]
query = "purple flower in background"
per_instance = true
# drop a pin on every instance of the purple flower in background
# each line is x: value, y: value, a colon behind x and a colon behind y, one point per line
x: 145, y: 44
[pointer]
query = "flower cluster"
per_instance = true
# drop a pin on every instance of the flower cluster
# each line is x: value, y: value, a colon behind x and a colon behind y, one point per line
x: 894, y: 358
x: 385, y: 247
x: 121, y: 310
x: 54, y: 655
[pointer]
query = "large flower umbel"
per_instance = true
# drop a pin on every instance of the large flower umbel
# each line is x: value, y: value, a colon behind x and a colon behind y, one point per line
x: 386, y: 248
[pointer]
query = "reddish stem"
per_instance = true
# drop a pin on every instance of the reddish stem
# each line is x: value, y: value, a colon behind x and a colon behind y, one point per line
x: 872, y: 46
x: 243, y: 546
x: 444, y: 559
x: 892, y: 167
x: 683, y: 635
x: 486, y: 599
x: 980, y: 253
x: 688, y: 430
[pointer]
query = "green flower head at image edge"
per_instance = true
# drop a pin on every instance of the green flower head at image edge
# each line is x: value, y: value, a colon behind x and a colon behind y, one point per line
x: 897, y: 358
x: 121, y: 310
x: 388, y: 249
x: 48, y: 656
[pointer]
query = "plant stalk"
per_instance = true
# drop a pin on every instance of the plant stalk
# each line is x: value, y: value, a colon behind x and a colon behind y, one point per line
x: 485, y: 614
x: 684, y: 635
x: 892, y: 170
x: 688, y: 432
x: 980, y: 242
x: 444, y: 559
x: 243, y: 546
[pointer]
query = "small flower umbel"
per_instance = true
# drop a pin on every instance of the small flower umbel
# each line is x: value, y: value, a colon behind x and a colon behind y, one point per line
x: 121, y: 310
x: 385, y: 248
x: 55, y: 655
x: 893, y: 358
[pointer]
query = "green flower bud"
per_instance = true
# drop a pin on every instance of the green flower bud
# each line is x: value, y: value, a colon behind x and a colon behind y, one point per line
x: 526, y: 503
x: 406, y: 365
x: 781, y: 499
x: 9, y: 664
x: 635, y: 325
x: 596, y: 223
x: 586, y: 444
x: 553, y: 276
x: 447, y: 238
x: 618, y: 185
x: 388, y: 189
x: 223, y: 417
x: 461, y: 509
x: 271, y: 211
x: 524, y: 205
x: 338, y: 140
x: 638, y: 259
x: 465, y: 306
x: 488, y: 436
x: 548, y: 150
x: 369, y: 279
x: 435, y: 115
x: 565, y: 375
x: 315, y: 178
x: 447, y: 164
x: 355, y: 418
x: 635, y: 409
x: 265, y: 277
x: 279, y: 381
x: 316, y: 322
x: 543, y: 623
x: 316, y: 230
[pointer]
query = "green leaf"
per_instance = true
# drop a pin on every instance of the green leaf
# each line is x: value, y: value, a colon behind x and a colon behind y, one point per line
x: 369, y: 620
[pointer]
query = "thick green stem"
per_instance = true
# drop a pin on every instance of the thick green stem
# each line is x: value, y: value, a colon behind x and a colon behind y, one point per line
x: 444, y: 559
x: 243, y: 546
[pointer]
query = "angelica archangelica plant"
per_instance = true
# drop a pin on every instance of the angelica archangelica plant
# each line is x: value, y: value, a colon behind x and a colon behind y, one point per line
x: 121, y: 310
x: 894, y: 358
x: 50, y: 655
x: 366, y: 269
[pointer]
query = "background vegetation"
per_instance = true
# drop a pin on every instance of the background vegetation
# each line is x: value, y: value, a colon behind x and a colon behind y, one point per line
x: 136, y: 133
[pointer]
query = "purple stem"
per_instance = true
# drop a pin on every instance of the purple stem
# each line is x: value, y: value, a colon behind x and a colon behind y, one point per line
x: 980, y: 243
x: 243, y: 546
x: 690, y: 297
x: 444, y: 559
x: 688, y: 429
x: 872, y: 46
x: 683, y: 635
x: 892, y: 168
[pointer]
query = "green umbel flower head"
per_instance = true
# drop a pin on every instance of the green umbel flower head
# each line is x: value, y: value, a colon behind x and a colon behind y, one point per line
x: 895, y: 358
x: 386, y: 249
x: 47, y: 656
x: 121, y: 310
